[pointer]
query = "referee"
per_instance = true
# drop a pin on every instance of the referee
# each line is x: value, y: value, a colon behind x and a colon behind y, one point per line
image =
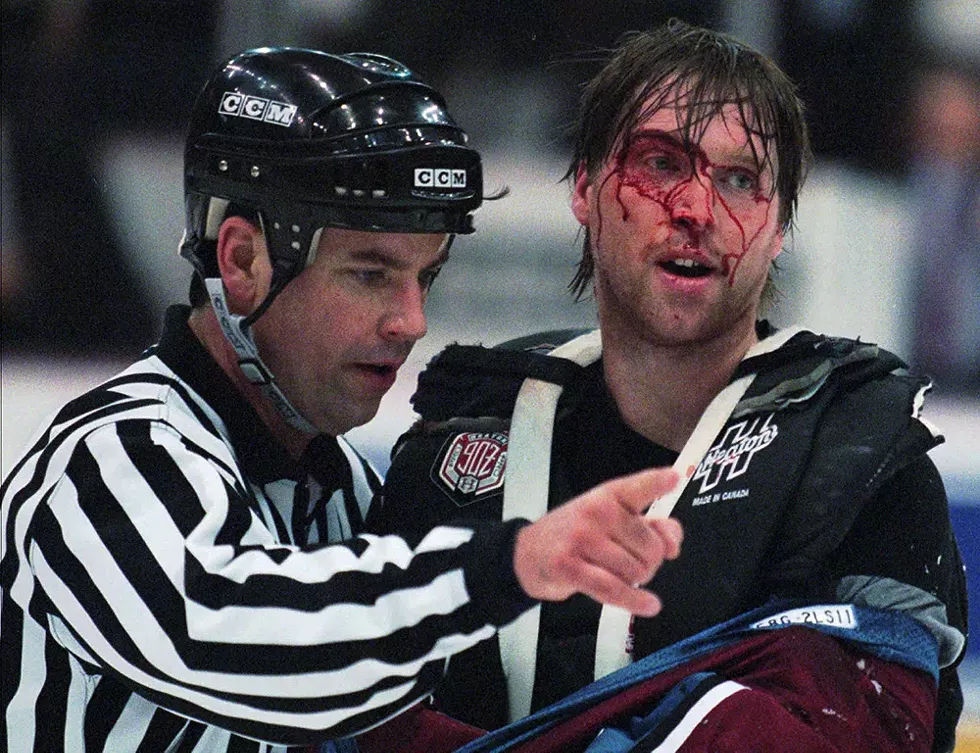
x: 182, y: 564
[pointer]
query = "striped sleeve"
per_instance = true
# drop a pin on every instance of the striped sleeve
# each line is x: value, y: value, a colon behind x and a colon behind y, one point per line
x: 146, y: 559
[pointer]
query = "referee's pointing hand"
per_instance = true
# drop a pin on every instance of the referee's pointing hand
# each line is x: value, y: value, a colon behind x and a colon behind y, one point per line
x: 600, y: 544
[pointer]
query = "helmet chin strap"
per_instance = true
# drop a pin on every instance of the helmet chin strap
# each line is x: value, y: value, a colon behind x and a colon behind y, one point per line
x: 238, y: 332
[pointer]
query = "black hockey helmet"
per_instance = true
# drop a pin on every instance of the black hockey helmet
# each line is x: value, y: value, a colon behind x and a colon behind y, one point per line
x: 306, y: 139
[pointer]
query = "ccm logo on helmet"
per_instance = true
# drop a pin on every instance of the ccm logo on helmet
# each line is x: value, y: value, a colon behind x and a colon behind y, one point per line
x: 439, y: 177
x: 257, y: 108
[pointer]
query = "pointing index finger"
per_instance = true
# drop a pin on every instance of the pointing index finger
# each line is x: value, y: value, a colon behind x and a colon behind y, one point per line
x: 637, y: 491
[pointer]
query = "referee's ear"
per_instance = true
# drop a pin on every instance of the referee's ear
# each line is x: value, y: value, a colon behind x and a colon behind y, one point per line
x: 243, y: 261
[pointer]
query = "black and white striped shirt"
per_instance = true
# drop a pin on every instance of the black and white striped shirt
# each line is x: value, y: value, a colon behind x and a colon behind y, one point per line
x: 171, y: 580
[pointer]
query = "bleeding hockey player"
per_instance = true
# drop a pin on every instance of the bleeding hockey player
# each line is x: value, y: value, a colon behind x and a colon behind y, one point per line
x: 819, y: 601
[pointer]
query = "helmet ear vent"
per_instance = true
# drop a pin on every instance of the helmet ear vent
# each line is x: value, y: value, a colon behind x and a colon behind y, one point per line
x: 381, y: 179
x: 342, y: 179
x: 360, y: 179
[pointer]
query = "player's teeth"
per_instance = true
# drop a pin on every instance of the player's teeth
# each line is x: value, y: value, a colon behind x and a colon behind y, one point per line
x: 684, y: 262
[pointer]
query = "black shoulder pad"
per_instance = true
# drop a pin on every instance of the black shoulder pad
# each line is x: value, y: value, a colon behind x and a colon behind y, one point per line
x: 471, y: 380
x: 866, y: 435
x: 799, y: 369
x: 441, y: 472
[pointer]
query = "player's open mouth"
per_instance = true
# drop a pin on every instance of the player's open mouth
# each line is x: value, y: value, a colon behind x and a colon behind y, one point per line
x: 686, y: 268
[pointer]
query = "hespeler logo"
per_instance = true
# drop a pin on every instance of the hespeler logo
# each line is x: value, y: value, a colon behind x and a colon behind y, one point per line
x: 257, y: 108
x: 731, y: 456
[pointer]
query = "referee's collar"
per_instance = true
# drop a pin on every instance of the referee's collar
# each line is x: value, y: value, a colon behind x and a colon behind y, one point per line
x: 263, y: 458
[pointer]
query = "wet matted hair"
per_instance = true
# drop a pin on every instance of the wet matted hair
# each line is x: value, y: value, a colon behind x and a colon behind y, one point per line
x: 698, y: 72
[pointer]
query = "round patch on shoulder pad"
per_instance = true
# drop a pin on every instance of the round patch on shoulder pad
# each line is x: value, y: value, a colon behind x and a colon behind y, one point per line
x: 471, y: 466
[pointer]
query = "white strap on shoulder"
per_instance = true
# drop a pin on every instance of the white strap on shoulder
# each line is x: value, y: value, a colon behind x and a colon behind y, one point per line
x: 526, y: 496
x: 612, y: 647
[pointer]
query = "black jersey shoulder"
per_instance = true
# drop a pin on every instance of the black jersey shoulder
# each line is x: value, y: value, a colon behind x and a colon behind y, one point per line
x: 475, y: 381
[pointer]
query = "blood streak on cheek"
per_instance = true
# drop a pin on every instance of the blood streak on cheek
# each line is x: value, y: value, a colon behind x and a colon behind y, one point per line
x: 731, y: 261
x: 639, y: 182
x: 628, y: 176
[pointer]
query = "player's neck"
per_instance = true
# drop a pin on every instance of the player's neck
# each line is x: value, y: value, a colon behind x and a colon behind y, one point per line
x: 662, y: 390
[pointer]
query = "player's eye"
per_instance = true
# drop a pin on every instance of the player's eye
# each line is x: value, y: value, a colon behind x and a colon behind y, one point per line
x: 664, y: 163
x: 739, y: 180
